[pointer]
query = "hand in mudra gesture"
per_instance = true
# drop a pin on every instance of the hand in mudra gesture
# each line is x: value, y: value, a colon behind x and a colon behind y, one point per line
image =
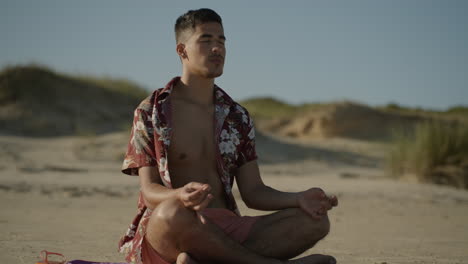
x: 195, y: 196
x: 316, y: 203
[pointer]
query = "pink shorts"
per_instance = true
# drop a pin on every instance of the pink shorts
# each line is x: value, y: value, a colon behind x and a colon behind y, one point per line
x: 236, y: 227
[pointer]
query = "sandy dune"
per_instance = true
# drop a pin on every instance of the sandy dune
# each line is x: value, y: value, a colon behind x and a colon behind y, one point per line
x: 67, y: 195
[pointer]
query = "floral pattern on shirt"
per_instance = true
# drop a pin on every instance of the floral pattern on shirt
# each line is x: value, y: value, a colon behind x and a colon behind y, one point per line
x: 149, y: 146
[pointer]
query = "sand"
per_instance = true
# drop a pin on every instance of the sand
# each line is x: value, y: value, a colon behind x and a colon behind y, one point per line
x: 68, y: 195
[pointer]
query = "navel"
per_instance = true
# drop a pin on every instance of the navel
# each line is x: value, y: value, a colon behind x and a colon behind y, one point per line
x: 182, y: 156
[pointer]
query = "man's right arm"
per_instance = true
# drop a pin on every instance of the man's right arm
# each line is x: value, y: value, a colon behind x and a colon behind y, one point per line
x: 193, y: 195
x: 152, y: 189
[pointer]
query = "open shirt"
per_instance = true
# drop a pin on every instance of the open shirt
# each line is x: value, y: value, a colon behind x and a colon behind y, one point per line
x: 149, y: 146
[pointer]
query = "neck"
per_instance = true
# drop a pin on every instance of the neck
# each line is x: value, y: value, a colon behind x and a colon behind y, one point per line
x: 198, y: 89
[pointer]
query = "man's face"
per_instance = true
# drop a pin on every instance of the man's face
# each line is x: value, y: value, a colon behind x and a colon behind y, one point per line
x: 205, y: 51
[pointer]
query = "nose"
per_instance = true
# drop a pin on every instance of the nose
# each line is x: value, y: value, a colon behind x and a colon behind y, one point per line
x: 217, y: 49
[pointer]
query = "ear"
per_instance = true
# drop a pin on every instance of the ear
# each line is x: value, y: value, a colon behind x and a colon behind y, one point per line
x: 180, y: 49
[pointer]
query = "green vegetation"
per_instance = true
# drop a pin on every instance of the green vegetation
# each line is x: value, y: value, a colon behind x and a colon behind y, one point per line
x: 434, y: 152
x: 394, y: 107
x: 457, y: 112
x: 269, y: 108
x: 36, y: 81
x: 38, y: 101
x: 122, y: 86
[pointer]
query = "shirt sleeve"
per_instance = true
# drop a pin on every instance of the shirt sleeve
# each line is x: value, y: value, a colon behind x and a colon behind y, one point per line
x: 247, y: 152
x: 141, y: 150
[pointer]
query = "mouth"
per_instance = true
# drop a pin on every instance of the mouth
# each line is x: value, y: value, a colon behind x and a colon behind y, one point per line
x: 216, y: 59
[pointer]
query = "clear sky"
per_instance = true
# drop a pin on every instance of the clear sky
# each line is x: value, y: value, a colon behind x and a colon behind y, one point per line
x: 414, y: 53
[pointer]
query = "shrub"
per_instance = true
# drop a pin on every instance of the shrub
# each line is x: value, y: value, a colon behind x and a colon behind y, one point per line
x: 434, y: 152
x: 268, y: 107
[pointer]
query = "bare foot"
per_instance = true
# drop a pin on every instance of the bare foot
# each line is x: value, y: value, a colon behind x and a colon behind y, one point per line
x: 184, y: 258
x: 314, y: 259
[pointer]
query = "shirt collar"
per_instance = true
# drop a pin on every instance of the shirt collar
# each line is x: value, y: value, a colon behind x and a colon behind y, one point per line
x: 166, y: 91
x: 221, y: 97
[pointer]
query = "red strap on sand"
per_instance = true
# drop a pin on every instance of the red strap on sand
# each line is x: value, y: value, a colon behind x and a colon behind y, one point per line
x: 45, y: 258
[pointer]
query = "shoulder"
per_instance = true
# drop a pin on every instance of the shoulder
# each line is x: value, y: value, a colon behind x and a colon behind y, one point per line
x: 241, y: 113
x: 241, y: 109
x: 241, y: 116
x: 235, y: 107
x: 149, y: 102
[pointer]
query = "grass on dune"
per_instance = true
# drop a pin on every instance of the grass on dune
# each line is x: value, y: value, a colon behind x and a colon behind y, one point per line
x: 271, y: 108
x: 434, y: 152
x: 37, y: 81
x: 36, y: 100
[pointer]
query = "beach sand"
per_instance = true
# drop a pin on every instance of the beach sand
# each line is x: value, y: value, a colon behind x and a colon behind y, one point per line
x: 68, y: 195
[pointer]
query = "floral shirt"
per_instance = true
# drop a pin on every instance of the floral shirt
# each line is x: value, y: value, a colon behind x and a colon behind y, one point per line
x: 149, y: 146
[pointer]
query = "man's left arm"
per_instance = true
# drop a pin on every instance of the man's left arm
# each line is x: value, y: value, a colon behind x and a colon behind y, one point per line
x: 257, y: 195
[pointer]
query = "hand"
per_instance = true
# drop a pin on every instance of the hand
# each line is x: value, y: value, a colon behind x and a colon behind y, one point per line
x: 316, y: 203
x: 195, y: 196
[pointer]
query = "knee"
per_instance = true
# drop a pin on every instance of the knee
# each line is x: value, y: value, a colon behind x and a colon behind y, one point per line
x: 317, y: 228
x: 323, y: 227
x: 172, y: 213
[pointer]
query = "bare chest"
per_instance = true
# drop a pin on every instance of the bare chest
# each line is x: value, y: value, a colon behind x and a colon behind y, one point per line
x: 192, y: 152
x: 193, y: 136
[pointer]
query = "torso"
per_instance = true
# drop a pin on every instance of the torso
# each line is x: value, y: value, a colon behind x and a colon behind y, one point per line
x: 192, y: 152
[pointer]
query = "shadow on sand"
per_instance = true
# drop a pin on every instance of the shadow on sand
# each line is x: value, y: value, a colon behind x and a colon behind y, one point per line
x: 273, y: 150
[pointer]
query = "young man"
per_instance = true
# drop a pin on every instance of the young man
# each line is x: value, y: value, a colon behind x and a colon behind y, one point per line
x: 189, y: 141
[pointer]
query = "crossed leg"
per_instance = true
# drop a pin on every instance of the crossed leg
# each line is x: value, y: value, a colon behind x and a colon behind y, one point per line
x: 286, y: 233
x: 173, y: 230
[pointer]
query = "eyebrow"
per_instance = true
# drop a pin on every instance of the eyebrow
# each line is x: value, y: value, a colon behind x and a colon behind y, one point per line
x: 210, y: 36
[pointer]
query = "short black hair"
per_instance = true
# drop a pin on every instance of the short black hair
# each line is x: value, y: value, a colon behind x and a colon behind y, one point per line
x: 193, y: 18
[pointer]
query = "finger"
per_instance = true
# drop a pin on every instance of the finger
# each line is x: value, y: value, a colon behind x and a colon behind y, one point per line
x: 206, y: 188
x: 200, y: 196
x: 334, y: 200
x: 312, y: 212
x: 191, y: 199
x: 204, y: 203
x: 193, y: 186
x: 322, y: 211
x: 193, y: 194
x: 320, y: 192
x: 197, y: 196
x: 201, y: 218
x: 326, y: 205
x: 317, y: 215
